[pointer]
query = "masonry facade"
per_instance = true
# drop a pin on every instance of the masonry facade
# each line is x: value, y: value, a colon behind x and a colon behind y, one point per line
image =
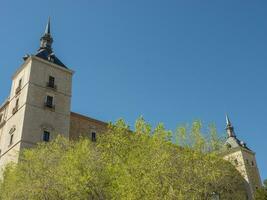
x: 38, y: 109
x: 244, y: 159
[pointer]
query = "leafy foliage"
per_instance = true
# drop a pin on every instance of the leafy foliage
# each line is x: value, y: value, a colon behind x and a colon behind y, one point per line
x: 261, y: 194
x: 144, y: 164
x: 192, y: 137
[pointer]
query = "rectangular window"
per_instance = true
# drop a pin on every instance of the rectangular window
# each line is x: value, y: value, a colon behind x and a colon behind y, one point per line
x: 17, y: 103
x: 1, y: 117
x: 15, y: 109
x: 51, y: 82
x: 236, y: 162
x: 93, y: 137
x: 49, y: 101
x: 46, y: 136
x: 19, y: 86
x: 11, y: 139
x: 20, y: 83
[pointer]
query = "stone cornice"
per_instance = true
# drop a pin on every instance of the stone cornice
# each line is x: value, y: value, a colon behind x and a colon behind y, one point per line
x: 52, y: 64
x: 32, y: 57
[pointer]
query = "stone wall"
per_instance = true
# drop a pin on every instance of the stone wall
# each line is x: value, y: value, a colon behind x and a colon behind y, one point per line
x: 83, y: 126
x: 245, y: 163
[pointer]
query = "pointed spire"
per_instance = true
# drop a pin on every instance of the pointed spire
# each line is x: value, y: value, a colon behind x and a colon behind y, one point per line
x: 46, y: 39
x: 45, y: 51
x: 47, y: 28
x: 228, y: 122
x: 229, y: 128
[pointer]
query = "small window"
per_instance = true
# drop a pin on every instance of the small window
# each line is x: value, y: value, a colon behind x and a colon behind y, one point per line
x: 46, y: 136
x: 236, y: 162
x: 1, y: 117
x: 11, y: 139
x: 20, y: 83
x: 247, y: 161
x: 15, y: 109
x: 93, y: 136
x: 19, y: 86
x: 51, y: 82
x: 228, y: 146
x: 49, y: 101
x: 17, y: 103
x: 252, y: 163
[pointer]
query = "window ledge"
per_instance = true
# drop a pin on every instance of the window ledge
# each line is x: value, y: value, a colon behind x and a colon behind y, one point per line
x: 48, y: 107
x: 51, y: 87
x: 15, y: 109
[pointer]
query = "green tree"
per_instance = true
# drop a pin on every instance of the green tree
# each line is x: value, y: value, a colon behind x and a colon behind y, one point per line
x: 192, y: 137
x: 124, y: 164
x: 261, y: 194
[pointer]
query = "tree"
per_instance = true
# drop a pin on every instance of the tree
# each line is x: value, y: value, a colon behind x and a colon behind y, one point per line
x: 192, y: 137
x: 261, y: 194
x: 123, y: 164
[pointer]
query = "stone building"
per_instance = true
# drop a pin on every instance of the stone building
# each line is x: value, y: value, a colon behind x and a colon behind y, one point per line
x: 243, y: 159
x: 38, y: 109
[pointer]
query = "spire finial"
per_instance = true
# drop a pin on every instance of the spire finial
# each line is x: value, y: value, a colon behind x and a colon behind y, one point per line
x: 47, y: 28
x: 46, y: 39
x: 228, y: 122
x: 229, y: 127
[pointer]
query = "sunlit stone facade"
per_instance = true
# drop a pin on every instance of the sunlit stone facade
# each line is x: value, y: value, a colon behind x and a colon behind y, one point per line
x: 39, y: 108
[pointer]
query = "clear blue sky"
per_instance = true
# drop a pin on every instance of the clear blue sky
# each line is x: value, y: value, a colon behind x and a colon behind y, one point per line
x: 171, y: 61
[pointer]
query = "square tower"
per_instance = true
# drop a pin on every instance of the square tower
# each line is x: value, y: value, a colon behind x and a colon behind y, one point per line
x: 243, y: 159
x: 38, y: 108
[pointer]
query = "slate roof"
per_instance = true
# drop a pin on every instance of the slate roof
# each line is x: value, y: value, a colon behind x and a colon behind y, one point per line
x: 45, y: 51
x: 233, y: 142
x: 51, y: 57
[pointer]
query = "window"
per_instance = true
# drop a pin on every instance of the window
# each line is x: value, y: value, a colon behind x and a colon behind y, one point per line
x: 19, y: 86
x: 252, y: 163
x: 93, y: 136
x: 228, y: 146
x: 20, y: 83
x: 17, y: 103
x: 11, y: 133
x: 46, y: 136
x: 49, y: 101
x: 51, y: 82
x: 11, y: 139
x: 236, y: 162
x: 1, y: 117
x: 215, y: 196
x: 15, y: 109
x: 247, y: 161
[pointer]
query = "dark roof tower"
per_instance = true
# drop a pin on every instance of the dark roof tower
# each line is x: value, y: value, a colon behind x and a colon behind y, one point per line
x: 232, y: 141
x: 45, y: 51
x: 46, y: 39
x: 229, y: 128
